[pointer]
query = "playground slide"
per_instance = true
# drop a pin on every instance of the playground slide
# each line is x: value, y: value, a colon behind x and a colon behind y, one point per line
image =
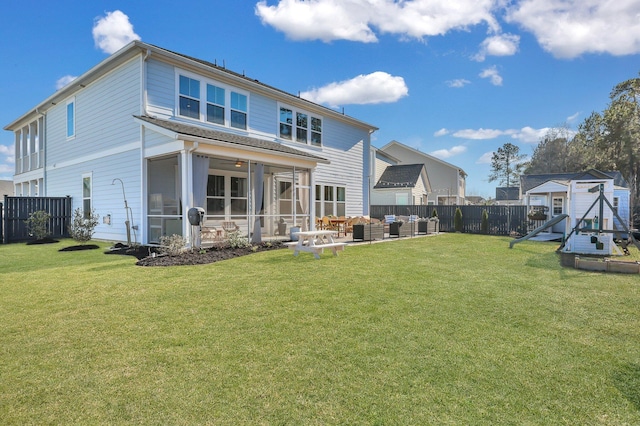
x: 539, y: 229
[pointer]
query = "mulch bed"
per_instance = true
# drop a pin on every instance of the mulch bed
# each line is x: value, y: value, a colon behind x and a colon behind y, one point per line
x: 151, y: 256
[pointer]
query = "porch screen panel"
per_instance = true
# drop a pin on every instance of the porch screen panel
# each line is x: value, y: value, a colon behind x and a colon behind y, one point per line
x: 164, y: 206
x: 215, y: 196
x: 238, y: 197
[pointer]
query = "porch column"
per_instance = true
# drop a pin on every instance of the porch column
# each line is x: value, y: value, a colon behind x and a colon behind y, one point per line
x: 185, y: 165
x: 312, y: 198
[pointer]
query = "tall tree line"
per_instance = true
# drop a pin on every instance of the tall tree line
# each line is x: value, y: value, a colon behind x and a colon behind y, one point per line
x: 607, y: 140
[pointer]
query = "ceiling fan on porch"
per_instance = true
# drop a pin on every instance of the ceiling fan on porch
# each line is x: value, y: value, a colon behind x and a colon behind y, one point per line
x: 235, y: 163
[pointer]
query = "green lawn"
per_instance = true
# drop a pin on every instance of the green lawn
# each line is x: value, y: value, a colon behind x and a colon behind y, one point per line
x: 450, y: 329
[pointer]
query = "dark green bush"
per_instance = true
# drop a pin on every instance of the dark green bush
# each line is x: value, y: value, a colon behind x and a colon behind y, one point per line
x: 484, y: 226
x: 457, y: 220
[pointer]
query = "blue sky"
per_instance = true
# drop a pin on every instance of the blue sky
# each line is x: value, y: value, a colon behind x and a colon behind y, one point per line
x: 456, y: 78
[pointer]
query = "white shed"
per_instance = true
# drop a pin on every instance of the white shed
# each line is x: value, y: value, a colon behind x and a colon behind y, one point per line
x: 588, y: 215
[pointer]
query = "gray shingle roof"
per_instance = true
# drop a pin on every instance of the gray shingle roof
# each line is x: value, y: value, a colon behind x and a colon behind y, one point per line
x: 528, y: 182
x: 215, y: 135
x: 400, y: 176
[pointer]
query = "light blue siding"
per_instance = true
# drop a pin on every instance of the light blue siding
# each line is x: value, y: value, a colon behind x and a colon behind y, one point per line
x: 623, y: 207
x: 346, y: 148
x: 106, y: 198
x: 104, y: 114
x: 160, y: 89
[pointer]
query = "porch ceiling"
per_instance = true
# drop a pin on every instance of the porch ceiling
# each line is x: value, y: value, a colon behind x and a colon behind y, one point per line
x: 183, y: 131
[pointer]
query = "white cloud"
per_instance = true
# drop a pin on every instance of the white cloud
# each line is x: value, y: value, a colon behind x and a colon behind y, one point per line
x: 7, y: 167
x: 528, y: 134
x: 498, y: 45
x: 355, y: 20
x: 485, y: 158
x: 493, y: 75
x: 113, y: 31
x: 479, y: 134
x: 569, y: 28
x: 63, y: 81
x: 374, y: 88
x: 7, y: 150
x: 573, y: 117
x: 447, y: 153
x: 457, y: 83
x: 441, y: 132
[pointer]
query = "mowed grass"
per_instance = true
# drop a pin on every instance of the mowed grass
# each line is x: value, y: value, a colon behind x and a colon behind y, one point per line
x: 449, y: 329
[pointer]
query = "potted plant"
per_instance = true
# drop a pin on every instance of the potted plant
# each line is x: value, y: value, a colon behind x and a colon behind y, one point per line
x: 537, y: 213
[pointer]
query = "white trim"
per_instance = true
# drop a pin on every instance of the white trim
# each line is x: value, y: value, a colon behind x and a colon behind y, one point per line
x: 90, y: 197
x: 95, y: 156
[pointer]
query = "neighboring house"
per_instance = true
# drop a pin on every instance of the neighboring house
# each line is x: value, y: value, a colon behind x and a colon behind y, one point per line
x: 6, y: 188
x: 447, y: 181
x: 475, y: 200
x: 162, y: 132
x: 550, y: 193
x: 405, y: 184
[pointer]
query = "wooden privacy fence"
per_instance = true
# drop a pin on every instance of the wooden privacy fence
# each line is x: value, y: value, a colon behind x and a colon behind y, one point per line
x: 16, y: 210
x: 502, y: 219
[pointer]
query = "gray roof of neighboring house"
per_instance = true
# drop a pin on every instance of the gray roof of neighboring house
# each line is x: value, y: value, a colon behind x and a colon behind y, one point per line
x: 528, y: 182
x: 201, y: 132
x: 400, y: 176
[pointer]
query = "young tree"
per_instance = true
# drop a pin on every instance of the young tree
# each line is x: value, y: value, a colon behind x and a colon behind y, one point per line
x: 506, y: 165
x: 551, y: 155
x: 81, y: 227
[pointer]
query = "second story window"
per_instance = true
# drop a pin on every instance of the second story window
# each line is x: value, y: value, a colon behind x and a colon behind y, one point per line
x: 306, y: 128
x: 189, y: 97
x: 238, y: 111
x: 71, y: 118
x: 215, y: 104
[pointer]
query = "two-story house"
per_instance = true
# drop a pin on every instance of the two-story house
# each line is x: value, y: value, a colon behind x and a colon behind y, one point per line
x: 160, y: 132
x: 436, y: 183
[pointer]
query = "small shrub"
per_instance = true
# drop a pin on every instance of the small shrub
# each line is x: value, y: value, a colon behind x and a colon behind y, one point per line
x: 172, y: 245
x: 38, y: 224
x: 83, y: 226
x: 457, y: 220
x: 434, y: 213
x: 236, y: 240
x: 484, y: 226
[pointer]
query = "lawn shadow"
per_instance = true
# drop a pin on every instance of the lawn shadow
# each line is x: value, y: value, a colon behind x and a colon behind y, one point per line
x: 627, y: 381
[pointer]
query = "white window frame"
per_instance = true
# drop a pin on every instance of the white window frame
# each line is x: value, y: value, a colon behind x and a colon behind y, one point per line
x: 294, y: 125
x: 70, y: 130
x: 227, y: 197
x: 616, y: 204
x: 87, y: 213
x: 204, y: 100
x: 334, y: 202
x: 553, y: 206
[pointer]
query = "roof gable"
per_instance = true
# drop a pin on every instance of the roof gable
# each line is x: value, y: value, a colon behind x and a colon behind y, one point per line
x: 400, y: 176
x: 423, y: 154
